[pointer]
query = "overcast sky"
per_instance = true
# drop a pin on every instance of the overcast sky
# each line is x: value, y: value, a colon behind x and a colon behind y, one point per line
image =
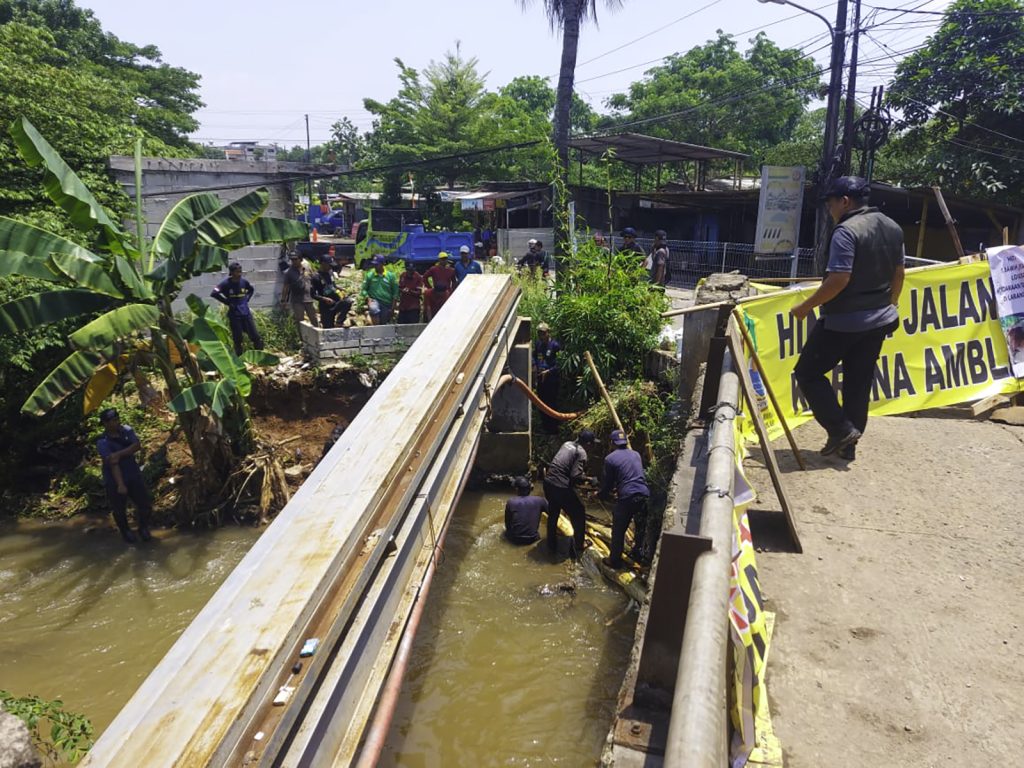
x: 266, y: 64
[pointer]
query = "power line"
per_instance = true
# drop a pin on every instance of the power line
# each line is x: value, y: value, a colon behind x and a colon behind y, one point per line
x: 649, y: 34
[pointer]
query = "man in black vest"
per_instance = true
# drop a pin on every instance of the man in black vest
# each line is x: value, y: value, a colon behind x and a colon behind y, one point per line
x: 858, y: 300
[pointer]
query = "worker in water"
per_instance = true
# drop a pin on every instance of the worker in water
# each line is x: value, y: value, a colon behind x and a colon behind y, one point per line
x: 466, y: 265
x: 332, y: 303
x: 122, y: 476
x: 565, y: 472
x: 522, y: 514
x: 440, y: 279
x: 410, y: 293
x: 547, y: 374
x: 380, y: 289
x: 624, y: 473
x: 235, y: 291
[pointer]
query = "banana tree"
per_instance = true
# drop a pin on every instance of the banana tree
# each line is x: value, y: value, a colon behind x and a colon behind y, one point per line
x: 124, y: 290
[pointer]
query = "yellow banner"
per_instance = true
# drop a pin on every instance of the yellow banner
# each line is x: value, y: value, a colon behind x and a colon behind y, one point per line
x: 948, y: 349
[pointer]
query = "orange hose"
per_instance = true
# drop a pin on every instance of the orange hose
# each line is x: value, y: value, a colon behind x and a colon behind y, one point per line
x: 535, y: 398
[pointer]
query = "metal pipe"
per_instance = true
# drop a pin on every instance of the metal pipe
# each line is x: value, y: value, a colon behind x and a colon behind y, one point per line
x: 697, y: 734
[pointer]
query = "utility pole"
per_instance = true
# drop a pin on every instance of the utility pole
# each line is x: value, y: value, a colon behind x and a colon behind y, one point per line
x: 828, y: 170
x: 851, y: 92
x: 309, y: 179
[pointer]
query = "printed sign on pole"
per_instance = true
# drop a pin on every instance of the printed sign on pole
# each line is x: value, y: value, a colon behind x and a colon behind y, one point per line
x: 779, y: 208
x: 1007, y: 265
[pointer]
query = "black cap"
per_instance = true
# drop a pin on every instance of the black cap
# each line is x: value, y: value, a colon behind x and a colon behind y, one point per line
x: 586, y: 436
x: 629, y: 232
x: 848, y: 186
x: 108, y: 414
x: 522, y: 484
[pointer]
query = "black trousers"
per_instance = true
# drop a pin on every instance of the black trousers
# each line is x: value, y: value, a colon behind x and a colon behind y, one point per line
x: 244, y: 325
x: 565, y: 499
x: 330, y: 312
x: 858, y: 352
x: 139, y: 495
x: 632, y: 509
x: 408, y: 316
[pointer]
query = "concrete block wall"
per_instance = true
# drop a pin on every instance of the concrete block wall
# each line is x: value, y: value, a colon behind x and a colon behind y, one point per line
x: 324, y: 345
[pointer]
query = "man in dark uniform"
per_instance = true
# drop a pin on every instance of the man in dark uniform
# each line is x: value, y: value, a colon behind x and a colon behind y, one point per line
x: 630, y: 246
x: 546, y: 371
x: 522, y: 514
x: 624, y: 472
x: 333, y: 305
x: 659, y: 259
x: 858, y: 300
x: 122, y: 476
x: 235, y: 291
x: 466, y: 266
x: 564, y: 473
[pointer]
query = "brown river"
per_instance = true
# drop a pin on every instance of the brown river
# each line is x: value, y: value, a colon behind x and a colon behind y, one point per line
x: 499, y: 675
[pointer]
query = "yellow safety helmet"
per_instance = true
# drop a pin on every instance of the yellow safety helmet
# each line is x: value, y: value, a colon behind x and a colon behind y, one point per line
x: 442, y: 255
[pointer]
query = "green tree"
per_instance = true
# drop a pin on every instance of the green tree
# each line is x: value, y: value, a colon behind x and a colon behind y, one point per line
x: 567, y: 16
x: 719, y: 97
x: 962, y: 102
x: 125, y: 290
x: 164, y: 98
x: 445, y: 111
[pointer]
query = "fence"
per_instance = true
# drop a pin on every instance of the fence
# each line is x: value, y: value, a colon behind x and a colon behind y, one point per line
x: 693, y: 260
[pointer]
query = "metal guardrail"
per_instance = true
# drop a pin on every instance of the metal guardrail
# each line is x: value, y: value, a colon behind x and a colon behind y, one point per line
x: 697, y: 734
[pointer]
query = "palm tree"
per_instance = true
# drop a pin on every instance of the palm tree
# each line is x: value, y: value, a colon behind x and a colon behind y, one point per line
x: 567, y: 15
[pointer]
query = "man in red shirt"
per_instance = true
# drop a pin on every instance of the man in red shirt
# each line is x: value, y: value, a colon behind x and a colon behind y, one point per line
x: 410, y: 291
x: 441, y: 279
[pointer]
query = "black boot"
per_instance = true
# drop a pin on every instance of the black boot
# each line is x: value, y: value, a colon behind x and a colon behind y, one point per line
x: 122, y: 526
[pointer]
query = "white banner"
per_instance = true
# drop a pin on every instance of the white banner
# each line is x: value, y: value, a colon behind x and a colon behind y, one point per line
x: 1007, y: 265
x: 779, y: 208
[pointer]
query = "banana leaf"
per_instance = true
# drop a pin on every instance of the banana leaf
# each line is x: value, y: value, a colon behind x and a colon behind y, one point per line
x: 25, y: 250
x: 87, y: 274
x: 38, y: 309
x: 221, y: 224
x: 181, y: 218
x: 209, y: 258
x: 198, y: 307
x: 267, y: 229
x: 215, y: 394
x: 114, y: 325
x: 64, y: 380
x: 259, y: 357
x: 131, y: 280
x: 63, y: 185
x: 165, y: 275
x: 221, y: 355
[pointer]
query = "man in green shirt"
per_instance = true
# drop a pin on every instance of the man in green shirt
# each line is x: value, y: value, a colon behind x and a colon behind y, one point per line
x: 380, y: 289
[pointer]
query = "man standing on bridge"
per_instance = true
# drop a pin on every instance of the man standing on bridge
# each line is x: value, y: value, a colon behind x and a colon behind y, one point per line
x: 858, y: 299
x: 565, y: 472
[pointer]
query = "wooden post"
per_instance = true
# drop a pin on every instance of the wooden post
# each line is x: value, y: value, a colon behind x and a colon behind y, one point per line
x: 738, y: 318
x: 605, y: 395
x: 921, y: 228
x: 1006, y: 235
x: 950, y: 225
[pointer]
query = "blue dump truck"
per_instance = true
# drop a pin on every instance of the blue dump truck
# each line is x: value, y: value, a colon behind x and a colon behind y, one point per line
x: 398, y: 234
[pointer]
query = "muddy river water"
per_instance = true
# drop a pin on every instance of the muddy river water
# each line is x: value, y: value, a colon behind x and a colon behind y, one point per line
x: 499, y: 675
